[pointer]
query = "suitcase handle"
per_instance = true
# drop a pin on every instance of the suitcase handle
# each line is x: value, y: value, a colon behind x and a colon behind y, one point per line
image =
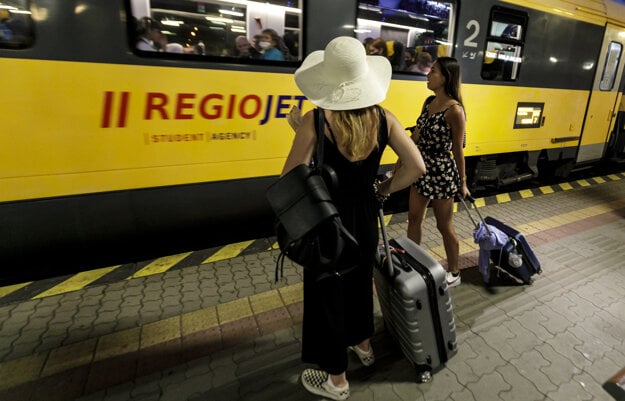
x: 468, y: 209
x: 387, y: 247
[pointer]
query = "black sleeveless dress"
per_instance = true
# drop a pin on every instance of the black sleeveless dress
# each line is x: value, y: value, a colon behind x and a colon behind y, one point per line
x: 338, y: 311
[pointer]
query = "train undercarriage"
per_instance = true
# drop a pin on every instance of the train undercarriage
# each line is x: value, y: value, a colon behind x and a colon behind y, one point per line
x: 495, y: 172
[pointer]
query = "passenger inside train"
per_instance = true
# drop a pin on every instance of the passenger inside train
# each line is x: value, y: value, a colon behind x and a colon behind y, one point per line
x: 412, y: 27
x: 16, y: 27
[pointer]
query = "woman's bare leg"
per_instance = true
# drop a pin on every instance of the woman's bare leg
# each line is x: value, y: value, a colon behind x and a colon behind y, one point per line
x: 417, y: 207
x: 443, y: 211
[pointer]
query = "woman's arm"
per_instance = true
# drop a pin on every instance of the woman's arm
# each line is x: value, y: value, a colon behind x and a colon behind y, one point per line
x: 411, y: 166
x: 456, y: 120
x: 303, y: 144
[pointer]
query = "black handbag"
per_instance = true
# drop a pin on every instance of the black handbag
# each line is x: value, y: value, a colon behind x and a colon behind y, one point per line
x: 308, y: 227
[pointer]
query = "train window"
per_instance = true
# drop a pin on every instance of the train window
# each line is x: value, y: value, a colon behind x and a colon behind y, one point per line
x: 230, y: 30
x: 504, y: 45
x: 611, y: 65
x: 16, y: 24
x: 411, y: 33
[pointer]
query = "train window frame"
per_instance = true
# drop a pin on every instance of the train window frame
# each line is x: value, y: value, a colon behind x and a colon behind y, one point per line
x: 17, y: 29
x: 504, y: 48
x: 420, y: 31
x: 522, y: 109
x: 610, y: 68
x: 196, y: 17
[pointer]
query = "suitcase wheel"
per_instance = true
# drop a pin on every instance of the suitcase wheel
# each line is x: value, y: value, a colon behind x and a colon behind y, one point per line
x: 423, y: 376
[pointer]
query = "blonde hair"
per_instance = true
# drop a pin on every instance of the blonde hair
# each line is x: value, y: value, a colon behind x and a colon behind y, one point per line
x: 355, y: 127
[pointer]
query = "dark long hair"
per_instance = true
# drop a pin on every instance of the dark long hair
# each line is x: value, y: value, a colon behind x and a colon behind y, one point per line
x: 451, y: 71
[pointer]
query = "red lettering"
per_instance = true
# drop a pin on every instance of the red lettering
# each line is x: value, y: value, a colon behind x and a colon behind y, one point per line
x: 231, y: 106
x: 106, y: 113
x: 216, y: 108
x: 156, y: 102
x: 256, y: 110
x: 123, y: 109
x: 181, y: 105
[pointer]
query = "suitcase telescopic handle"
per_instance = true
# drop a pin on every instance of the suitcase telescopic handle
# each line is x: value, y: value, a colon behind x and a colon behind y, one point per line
x: 468, y: 209
x: 387, y: 247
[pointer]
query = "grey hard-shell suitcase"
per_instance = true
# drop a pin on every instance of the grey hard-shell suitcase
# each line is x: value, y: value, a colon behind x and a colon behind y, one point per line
x: 415, y: 303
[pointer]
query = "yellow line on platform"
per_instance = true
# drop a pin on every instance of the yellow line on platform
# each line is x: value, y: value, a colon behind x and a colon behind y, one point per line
x: 526, y: 193
x: 480, y: 202
x: 4, y: 291
x: 503, y: 198
x: 160, y: 265
x: 546, y: 190
x: 228, y: 251
x: 77, y: 281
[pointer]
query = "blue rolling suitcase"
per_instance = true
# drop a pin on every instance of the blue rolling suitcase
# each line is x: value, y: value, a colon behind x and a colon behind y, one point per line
x: 506, y: 247
x: 415, y: 302
x: 516, y: 257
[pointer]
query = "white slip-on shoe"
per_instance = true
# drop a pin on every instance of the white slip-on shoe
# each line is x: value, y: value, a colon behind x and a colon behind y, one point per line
x: 366, y: 357
x: 318, y: 382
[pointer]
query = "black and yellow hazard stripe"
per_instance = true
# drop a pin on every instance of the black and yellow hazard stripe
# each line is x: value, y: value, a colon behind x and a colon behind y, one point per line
x: 59, y: 285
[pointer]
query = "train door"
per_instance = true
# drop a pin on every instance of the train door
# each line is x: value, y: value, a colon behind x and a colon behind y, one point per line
x: 601, y: 112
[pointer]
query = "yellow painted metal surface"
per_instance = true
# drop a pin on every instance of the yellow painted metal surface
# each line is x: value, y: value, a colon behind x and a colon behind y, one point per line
x: 139, y: 126
x: 491, y: 111
x: 599, y: 117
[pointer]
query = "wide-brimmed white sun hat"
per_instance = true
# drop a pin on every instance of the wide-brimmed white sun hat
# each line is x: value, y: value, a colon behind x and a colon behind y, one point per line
x: 343, y: 77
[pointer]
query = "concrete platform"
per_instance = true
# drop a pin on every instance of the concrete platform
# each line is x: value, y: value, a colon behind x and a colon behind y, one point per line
x: 213, y: 325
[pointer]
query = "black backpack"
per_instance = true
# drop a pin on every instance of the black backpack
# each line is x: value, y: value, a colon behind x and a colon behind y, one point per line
x: 308, y: 227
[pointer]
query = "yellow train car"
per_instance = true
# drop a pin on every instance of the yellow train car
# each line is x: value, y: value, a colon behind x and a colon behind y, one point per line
x: 135, y: 128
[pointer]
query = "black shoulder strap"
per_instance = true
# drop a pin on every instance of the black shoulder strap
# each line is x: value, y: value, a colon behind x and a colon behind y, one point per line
x: 319, y: 127
x: 427, y: 101
x: 327, y: 172
x: 383, y: 124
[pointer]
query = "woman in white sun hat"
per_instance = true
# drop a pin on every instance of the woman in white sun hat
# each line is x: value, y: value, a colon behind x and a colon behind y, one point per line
x: 347, y: 86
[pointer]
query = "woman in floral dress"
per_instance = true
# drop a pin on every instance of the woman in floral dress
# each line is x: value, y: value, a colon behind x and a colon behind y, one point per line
x: 439, y: 134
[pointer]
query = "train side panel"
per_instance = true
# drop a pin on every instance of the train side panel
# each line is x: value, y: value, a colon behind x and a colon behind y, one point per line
x: 135, y: 155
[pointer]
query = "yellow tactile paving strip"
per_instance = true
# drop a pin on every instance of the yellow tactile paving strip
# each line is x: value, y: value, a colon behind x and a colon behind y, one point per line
x: 468, y: 244
x: 64, y: 358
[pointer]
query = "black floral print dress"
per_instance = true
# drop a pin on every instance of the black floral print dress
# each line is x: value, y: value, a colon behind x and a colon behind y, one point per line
x: 441, y: 179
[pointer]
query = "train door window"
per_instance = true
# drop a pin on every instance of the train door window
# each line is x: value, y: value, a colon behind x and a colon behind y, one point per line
x: 504, y: 45
x: 227, y: 30
x: 611, y: 66
x: 16, y: 24
x: 411, y: 33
